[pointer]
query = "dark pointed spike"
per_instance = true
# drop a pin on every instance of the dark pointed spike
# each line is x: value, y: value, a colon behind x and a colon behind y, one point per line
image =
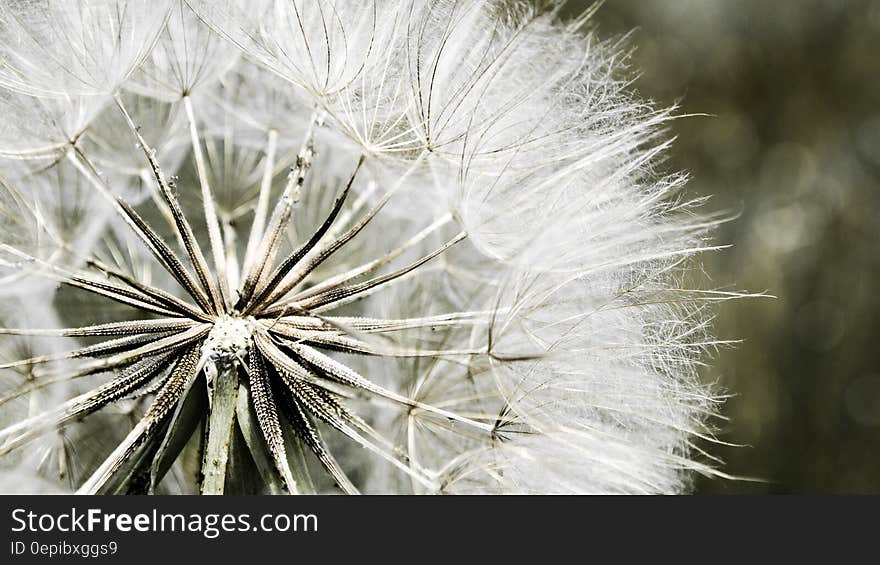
x: 294, y: 258
x: 160, y: 343
x: 123, y: 292
x: 275, y: 356
x: 291, y: 281
x: 111, y: 329
x: 356, y: 335
x: 267, y: 416
x: 197, y: 260
x: 347, y: 344
x: 160, y: 296
x: 132, y: 476
x: 324, y: 405
x: 288, y: 367
x: 102, y: 349
x: 264, y: 403
x: 117, y: 294
x: 156, y: 245
x: 243, y: 473
x: 360, y: 324
x: 337, y: 294
x: 183, y: 423
x: 333, y: 369
x: 309, y: 433
x: 163, y: 405
x: 268, y: 247
x: 322, y: 339
x: 246, y: 422
x: 70, y: 278
x: 119, y: 345
x: 151, y: 388
x: 339, y: 335
x: 169, y: 343
x: 193, y: 250
x: 372, y: 325
x: 352, y: 274
x: 271, y: 240
x: 341, y: 373
x: 129, y: 380
x: 163, y: 252
x: 327, y: 405
x: 328, y: 408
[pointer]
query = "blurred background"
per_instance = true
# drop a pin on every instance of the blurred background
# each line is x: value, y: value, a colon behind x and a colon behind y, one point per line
x: 793, y: 147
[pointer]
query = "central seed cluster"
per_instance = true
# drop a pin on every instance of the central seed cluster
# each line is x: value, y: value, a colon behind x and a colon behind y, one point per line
x: 228, y: 340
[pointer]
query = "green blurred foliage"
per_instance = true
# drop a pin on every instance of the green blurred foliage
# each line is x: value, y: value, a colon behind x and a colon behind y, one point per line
x: 792, y: 145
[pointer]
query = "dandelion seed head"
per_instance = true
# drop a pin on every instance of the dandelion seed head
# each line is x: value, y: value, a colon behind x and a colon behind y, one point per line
x: 400, y: 246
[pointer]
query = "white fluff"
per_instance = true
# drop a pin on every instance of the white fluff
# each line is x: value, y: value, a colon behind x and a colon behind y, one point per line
x: 75, y: 47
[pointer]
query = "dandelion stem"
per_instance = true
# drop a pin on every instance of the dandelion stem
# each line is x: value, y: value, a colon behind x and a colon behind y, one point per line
x: 220, y: 429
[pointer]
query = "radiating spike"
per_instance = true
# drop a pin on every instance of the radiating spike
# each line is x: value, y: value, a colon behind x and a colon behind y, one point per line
x: 196, y: 257
x: 309, y: 433
x: 344, y: 374
x: 267, y: 416
x: 267, y: 250
x: 118, y: 294
x: 370, y: 325
x: 295, y: 277
x: 336, y: 295
x: 110, y: 329
x: 162, y: 251
x: 347, y: 344
x: 337, y: 418
x: 366, y: 268
x: 167, y: 258
x: 285, y: 364
x: 376, y: 325
x: 167, y: 343
x: 128, y: 380
x: 294, y: 258
x: 160, y: 296
x: 102, y: 349
x: 159, y: 410
x: 107, y: 290
x: 182, y: 425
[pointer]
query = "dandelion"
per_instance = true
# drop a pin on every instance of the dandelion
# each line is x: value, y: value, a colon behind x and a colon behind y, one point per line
x: 403, y: 246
